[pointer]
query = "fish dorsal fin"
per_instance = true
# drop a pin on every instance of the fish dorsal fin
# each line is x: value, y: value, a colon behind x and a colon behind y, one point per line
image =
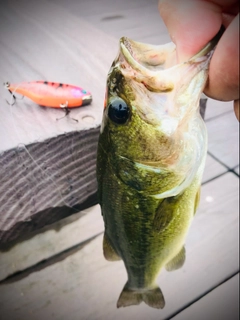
x: 177, y: 262
x: 108, y: 251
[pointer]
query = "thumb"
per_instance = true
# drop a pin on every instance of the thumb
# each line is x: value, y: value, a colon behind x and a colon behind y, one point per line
x: 191, y: 24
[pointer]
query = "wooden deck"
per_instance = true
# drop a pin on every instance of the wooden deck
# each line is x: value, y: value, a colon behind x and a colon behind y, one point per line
x: 60, y: 272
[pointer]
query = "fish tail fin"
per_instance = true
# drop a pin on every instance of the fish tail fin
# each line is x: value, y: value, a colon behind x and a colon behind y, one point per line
x: 129, y: 297
x: 152, y: 297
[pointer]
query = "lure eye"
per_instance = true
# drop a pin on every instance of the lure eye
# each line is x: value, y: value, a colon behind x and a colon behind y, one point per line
x: 118, y: 111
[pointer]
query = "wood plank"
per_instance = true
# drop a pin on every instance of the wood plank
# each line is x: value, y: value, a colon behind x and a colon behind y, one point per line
x: 52, y: 240
x: 216, y: 108
x: 237, y: 169
x: 223, y: 139
x: 212, y: 169
x: 45, y: 182
x: 63, y: 57
x: 47, y: 167
x: 82, y: 285
x: 139, y: 20
x: 222, y: 303
x: 92, y: 8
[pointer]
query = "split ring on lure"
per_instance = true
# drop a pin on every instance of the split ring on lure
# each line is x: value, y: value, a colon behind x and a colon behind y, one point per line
x: 51, y: 94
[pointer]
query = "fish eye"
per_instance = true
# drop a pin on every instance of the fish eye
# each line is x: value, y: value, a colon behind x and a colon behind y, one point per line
x: 118, y: 111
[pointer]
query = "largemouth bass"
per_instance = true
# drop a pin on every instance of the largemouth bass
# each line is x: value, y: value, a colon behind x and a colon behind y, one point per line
x: 151, y: 156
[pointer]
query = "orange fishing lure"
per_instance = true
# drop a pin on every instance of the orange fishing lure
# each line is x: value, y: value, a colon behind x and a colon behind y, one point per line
x: 51, y: 94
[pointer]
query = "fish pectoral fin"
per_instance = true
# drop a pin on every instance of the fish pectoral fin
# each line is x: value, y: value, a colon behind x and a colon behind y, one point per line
x: 108, y: 251
x: 164, y: 216
x: 177, y: 262
x: 152, y: 297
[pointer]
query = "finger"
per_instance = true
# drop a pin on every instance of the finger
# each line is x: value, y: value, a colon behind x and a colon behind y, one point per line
x: 191, y: 24
x: 223, y: 81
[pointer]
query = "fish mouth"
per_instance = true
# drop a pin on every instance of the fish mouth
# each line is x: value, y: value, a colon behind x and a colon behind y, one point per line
x: 156, y: 65
x: 147, y: 62
x: 166, y: 93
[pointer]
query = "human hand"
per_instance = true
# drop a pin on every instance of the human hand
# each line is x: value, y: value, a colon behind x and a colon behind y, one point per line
x: 192, y: 24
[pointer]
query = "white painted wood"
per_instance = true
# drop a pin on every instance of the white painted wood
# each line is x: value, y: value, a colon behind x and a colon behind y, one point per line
x: 92, y: 8
x: 40, y: 40
x: 85, y: 286
x: 118, y: 18
x: 216, y: 108
x: 212, y: 169
x: 221, y: 304
x: 56, y: 238
x: 237, y: 169
x: 223, y: 138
